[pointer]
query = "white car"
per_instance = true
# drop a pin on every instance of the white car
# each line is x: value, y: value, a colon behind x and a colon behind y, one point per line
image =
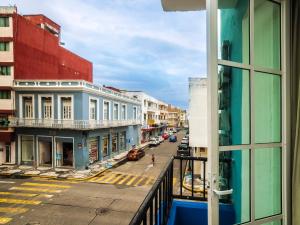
x: 184, y: 140
x: 160, y: 139
x: 153, y: 142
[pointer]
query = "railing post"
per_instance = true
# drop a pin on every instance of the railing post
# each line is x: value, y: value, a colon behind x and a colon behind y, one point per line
x: 192, y: 178
x: 204, y: 178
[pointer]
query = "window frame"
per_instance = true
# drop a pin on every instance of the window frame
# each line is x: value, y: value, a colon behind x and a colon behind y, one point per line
x: 6, y: 20
x: 108, y: 110
x: 213, y: 119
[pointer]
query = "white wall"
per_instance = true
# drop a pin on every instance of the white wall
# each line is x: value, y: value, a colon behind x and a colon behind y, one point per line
x: 198, y: 112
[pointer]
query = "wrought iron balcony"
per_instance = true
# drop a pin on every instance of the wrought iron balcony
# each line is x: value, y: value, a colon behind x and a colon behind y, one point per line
x: 71, y: 124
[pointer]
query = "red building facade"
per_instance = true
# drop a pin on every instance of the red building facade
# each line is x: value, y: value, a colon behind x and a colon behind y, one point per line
x: 38, y: 54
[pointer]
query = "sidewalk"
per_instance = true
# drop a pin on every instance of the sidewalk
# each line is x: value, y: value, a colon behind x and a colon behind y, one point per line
x: 66, y: 173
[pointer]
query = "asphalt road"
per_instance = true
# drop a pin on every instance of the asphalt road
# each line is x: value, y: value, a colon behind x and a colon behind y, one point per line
x: 112, y: 198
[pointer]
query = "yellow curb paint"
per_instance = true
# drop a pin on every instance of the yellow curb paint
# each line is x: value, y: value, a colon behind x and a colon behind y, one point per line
x: 127, y: 178
x: 35, y: 189
x: 140, y: 181
x: 19, y: 201
x: 109, y: 178
x: 149, y: 181
x: 18, y: 194
x: 13, y: 210
x: 131, y: 180
x: 119, y: 176
x: 55, y: 181
x: 45, y: 185
x: 103, y: 177
x: 5, y: 220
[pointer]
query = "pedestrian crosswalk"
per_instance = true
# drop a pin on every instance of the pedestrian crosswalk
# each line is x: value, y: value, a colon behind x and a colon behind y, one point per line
x: 119, y: 178
x: 19, y: 198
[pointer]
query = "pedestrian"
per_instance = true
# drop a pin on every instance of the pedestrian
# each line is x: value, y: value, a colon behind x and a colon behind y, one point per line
x: 153, y: 159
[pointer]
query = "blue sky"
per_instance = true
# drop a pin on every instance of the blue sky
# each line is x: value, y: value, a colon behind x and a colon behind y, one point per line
x: 133, y: 44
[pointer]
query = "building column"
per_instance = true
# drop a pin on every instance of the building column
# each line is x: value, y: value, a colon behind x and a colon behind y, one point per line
x: 100, y: 157
x: 109, y: 145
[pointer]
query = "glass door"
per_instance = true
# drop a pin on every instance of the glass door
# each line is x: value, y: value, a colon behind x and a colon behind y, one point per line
x: 246, y: 103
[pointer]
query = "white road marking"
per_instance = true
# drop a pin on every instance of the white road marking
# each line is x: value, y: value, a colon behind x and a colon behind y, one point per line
x: 6, y: 182
x: 148, y: 167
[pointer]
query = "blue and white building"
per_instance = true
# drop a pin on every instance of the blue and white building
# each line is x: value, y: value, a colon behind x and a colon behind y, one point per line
x: 72, y: 123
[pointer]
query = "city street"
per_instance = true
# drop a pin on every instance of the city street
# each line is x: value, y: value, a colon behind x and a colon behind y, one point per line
x: 110, y: 198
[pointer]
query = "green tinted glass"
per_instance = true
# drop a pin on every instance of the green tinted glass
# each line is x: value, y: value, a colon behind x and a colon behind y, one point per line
x: 267, y: 34
x: 234, y: 106
x: 235, y: 174
x: 267, y: 104
x: 234, y: 30
x: 267, y: 182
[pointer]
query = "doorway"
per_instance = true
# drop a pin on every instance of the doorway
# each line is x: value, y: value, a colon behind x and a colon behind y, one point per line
x: 45, y: 151
x: 64, y: 152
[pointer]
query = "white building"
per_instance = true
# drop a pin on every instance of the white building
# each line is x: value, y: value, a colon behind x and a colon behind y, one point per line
x: 154, y: 114
x: 198, y: 115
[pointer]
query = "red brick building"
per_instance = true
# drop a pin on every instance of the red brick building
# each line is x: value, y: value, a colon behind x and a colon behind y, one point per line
x: 30, y: 49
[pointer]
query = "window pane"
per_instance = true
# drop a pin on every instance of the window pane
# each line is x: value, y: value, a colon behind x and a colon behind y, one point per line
x: 234, y: 106
x: 235, y: 174
x: 27, y: 148
x: 267, y: 104
x: 267, y: 182
x: 4, y: 22
x: 267, y: 34
x: 233, y: 40
x: 4, y: 46
x: 5, y: 70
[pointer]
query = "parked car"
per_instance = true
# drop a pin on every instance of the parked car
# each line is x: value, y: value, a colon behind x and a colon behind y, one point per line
x: 165, y: 136
x: 183, y: 149
x: 185, y: 141
x: 173, y: 138
x: 160, y: 139
x: 135, y: 154
x: 153, y: 142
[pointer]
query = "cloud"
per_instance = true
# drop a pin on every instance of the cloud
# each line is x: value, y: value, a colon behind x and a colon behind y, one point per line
x: 132, y: 43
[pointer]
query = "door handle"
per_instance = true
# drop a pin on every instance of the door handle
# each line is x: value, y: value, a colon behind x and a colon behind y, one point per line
x: 226, y: 192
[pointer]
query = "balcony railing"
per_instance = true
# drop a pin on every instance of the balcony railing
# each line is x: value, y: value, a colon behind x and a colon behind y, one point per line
x: 178, y: 180
x: 71, y: 124
x: 184, y: 177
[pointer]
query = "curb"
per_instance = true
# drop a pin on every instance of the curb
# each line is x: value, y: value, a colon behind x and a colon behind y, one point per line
x: 122, y: 161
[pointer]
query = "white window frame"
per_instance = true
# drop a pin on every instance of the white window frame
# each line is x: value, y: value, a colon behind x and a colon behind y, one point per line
x: 113, y: 113
x: 21, y: 102
x: 125, y: 112
x: 59, y: 109
x: 134, y: 115
x: 40, y: 105
x: 109, y: 110
x: 97, y: 108
x: 213, y: 117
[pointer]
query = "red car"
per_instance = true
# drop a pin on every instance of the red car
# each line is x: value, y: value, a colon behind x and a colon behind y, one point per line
x: 165, y: 136
x: 135, y: 154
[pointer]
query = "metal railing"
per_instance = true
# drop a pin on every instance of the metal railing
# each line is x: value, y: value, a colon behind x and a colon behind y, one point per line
x: 71, y: 124
x: 157, y: 204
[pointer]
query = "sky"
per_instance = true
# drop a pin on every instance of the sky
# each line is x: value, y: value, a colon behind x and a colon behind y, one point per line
x: 133, y: 44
